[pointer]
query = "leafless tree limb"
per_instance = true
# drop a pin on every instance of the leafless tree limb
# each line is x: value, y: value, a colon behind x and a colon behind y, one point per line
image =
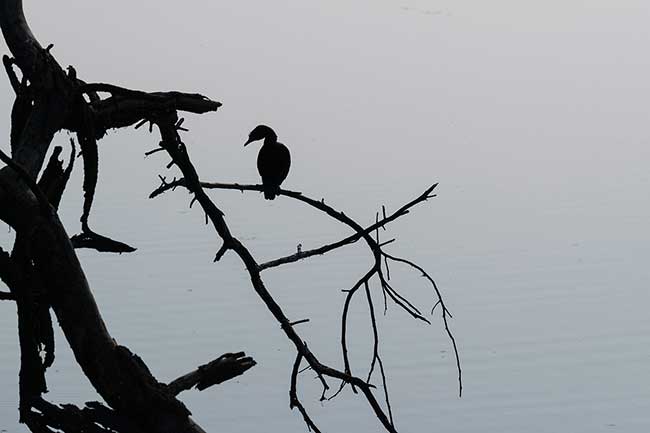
x: 375, y: 246
x: 427, y: 194
x: 445, y: 312
x: 294, y: 401
x: 320, y: 205
x: 127, y: 107
x: 224, y: 368
x: 176, y: 149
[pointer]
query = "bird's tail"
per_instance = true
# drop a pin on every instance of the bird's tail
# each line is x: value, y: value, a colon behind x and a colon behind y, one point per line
x: 270, y: 192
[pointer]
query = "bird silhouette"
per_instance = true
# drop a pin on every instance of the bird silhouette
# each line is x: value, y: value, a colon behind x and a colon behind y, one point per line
x: 273, y: 161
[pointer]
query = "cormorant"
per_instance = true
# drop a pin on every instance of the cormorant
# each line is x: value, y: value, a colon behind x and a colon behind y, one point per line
x: 273, y: 161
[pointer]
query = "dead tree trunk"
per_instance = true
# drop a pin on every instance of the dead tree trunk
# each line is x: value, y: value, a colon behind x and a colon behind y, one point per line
x: 117, y: 374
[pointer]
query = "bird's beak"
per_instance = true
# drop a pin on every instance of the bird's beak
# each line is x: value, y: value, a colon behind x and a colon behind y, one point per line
x: 248, y: 141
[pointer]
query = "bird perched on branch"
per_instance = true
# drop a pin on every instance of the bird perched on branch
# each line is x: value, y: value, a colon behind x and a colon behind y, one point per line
x: 273, y: 161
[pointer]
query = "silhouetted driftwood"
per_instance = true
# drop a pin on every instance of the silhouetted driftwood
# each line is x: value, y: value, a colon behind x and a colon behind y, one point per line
x: 226, y: 367
x: 43, y: 272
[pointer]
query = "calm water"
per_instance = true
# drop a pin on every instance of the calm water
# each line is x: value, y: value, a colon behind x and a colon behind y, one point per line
x: 532, y: 116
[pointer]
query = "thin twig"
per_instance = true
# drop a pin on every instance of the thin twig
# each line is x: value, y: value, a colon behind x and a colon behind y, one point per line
x: 294, y: 401
x: 375, y: 333
x: 445, y: 313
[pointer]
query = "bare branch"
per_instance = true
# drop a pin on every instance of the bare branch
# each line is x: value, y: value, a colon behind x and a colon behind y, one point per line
x: 177, y: 151
x: 320, y: 205
x: 226, y: 367
x: 375, y: 332
x: 18, y: 35
x: 445, y: 313
x: 294, y: 401
x: 127, y: 107
x: 374, y: 244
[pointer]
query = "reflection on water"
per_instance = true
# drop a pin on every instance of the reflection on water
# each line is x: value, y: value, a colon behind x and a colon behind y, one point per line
x: 532, y: 118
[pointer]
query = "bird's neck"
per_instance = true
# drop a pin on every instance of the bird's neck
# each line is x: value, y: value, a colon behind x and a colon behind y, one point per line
x: 271, y: 139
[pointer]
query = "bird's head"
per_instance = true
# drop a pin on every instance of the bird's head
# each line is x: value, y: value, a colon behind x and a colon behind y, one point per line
x: 260, y: 132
